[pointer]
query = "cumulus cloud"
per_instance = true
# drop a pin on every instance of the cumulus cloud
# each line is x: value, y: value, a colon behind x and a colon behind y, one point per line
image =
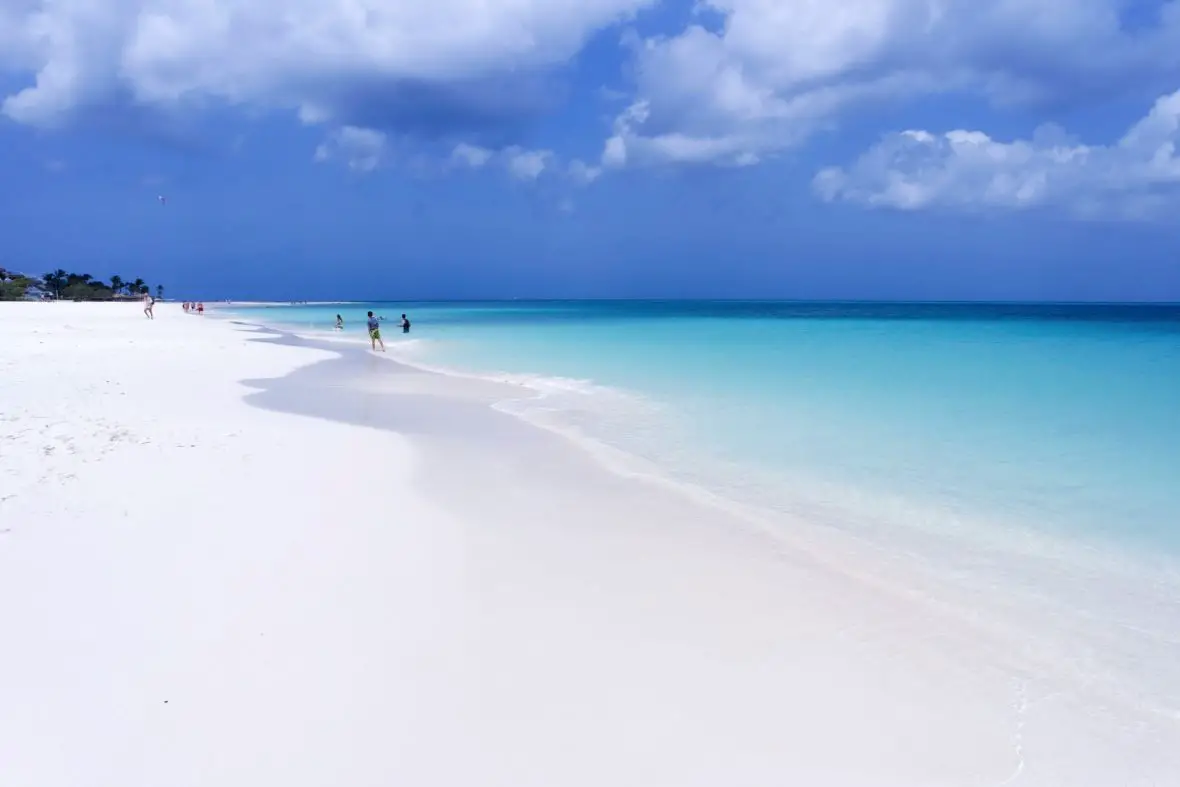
x: 471, y: 155
x: 583, y: 173
x: 967, y: 170
x: 527, y: 164
x: 776, y: 71
x: 361, y: 149
x: 524, y: 164
x: 375, y: 63
x: 520, y: 163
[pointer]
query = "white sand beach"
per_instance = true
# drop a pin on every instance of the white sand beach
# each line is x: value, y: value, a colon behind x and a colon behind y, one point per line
x: 230, y: 560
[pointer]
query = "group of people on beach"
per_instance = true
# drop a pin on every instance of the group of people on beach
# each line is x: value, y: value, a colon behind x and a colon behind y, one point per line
x: 374, y: 326
x: 149, y: 307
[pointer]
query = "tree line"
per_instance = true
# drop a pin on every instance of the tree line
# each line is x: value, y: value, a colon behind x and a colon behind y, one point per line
x: 61, y: 285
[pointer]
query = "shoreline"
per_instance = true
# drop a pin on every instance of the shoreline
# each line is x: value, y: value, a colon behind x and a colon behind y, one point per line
x: 881, y: 566
x: 338, y: 567
x: 886, y: 563
x: 1039, y: 583
x: 1098, y: 552
x: 850, y: 558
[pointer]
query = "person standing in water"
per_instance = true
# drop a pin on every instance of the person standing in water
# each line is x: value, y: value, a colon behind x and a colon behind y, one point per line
x: 405, y: 324
x: 375, y: 332
x: 339, y: 323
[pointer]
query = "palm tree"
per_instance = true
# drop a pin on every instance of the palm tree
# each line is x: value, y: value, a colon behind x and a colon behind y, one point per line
x: 55, y: 281
x: 117, y: 284
x: 159, y: 292
x: 139, y: 287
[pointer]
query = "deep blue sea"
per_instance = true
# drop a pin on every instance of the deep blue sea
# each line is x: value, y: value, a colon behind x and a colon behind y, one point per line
x: 990, y: 422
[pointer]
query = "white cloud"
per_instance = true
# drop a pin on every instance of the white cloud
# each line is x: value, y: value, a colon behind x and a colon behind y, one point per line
x: 776, y: 71
x: 583, y: 173
x: 763, y: 75
x: 520, y: 163
x: 527, y: 164
x: 323, y: 58
x: 968, y: 170
x: 614, y: 153
x: 471, y: 155
x: 361, y: 149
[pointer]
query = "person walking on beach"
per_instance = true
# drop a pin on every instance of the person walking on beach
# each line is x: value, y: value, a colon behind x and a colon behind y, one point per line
x: 201, y: 308
x: 405, y: 324
x: 375, y: 332
x: 148, y: 305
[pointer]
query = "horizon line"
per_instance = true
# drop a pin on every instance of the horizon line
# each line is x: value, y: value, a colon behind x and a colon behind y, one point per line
x: 856, y: 301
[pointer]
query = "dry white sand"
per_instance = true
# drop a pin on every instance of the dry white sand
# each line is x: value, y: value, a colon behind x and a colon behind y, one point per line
x: 346, y: 572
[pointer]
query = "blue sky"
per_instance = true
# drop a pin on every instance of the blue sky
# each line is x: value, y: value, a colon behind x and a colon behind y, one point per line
x: 1013, y: 149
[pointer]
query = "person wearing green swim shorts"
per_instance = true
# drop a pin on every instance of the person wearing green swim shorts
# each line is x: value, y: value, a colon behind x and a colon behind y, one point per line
x: 375, y: 332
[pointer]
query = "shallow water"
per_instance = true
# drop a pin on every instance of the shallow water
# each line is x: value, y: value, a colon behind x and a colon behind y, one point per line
x: 1014, y: 466
x: 1059, y: 420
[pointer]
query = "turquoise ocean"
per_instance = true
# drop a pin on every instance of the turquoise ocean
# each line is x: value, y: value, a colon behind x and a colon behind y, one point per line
x: 1025, y: 427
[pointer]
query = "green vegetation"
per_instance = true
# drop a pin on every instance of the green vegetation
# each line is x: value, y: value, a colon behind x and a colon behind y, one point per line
x: 13, y: 286
x: 71, y: 287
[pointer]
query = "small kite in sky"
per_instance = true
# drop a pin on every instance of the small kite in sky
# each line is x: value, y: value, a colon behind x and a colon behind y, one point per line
x: 162, y: 199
